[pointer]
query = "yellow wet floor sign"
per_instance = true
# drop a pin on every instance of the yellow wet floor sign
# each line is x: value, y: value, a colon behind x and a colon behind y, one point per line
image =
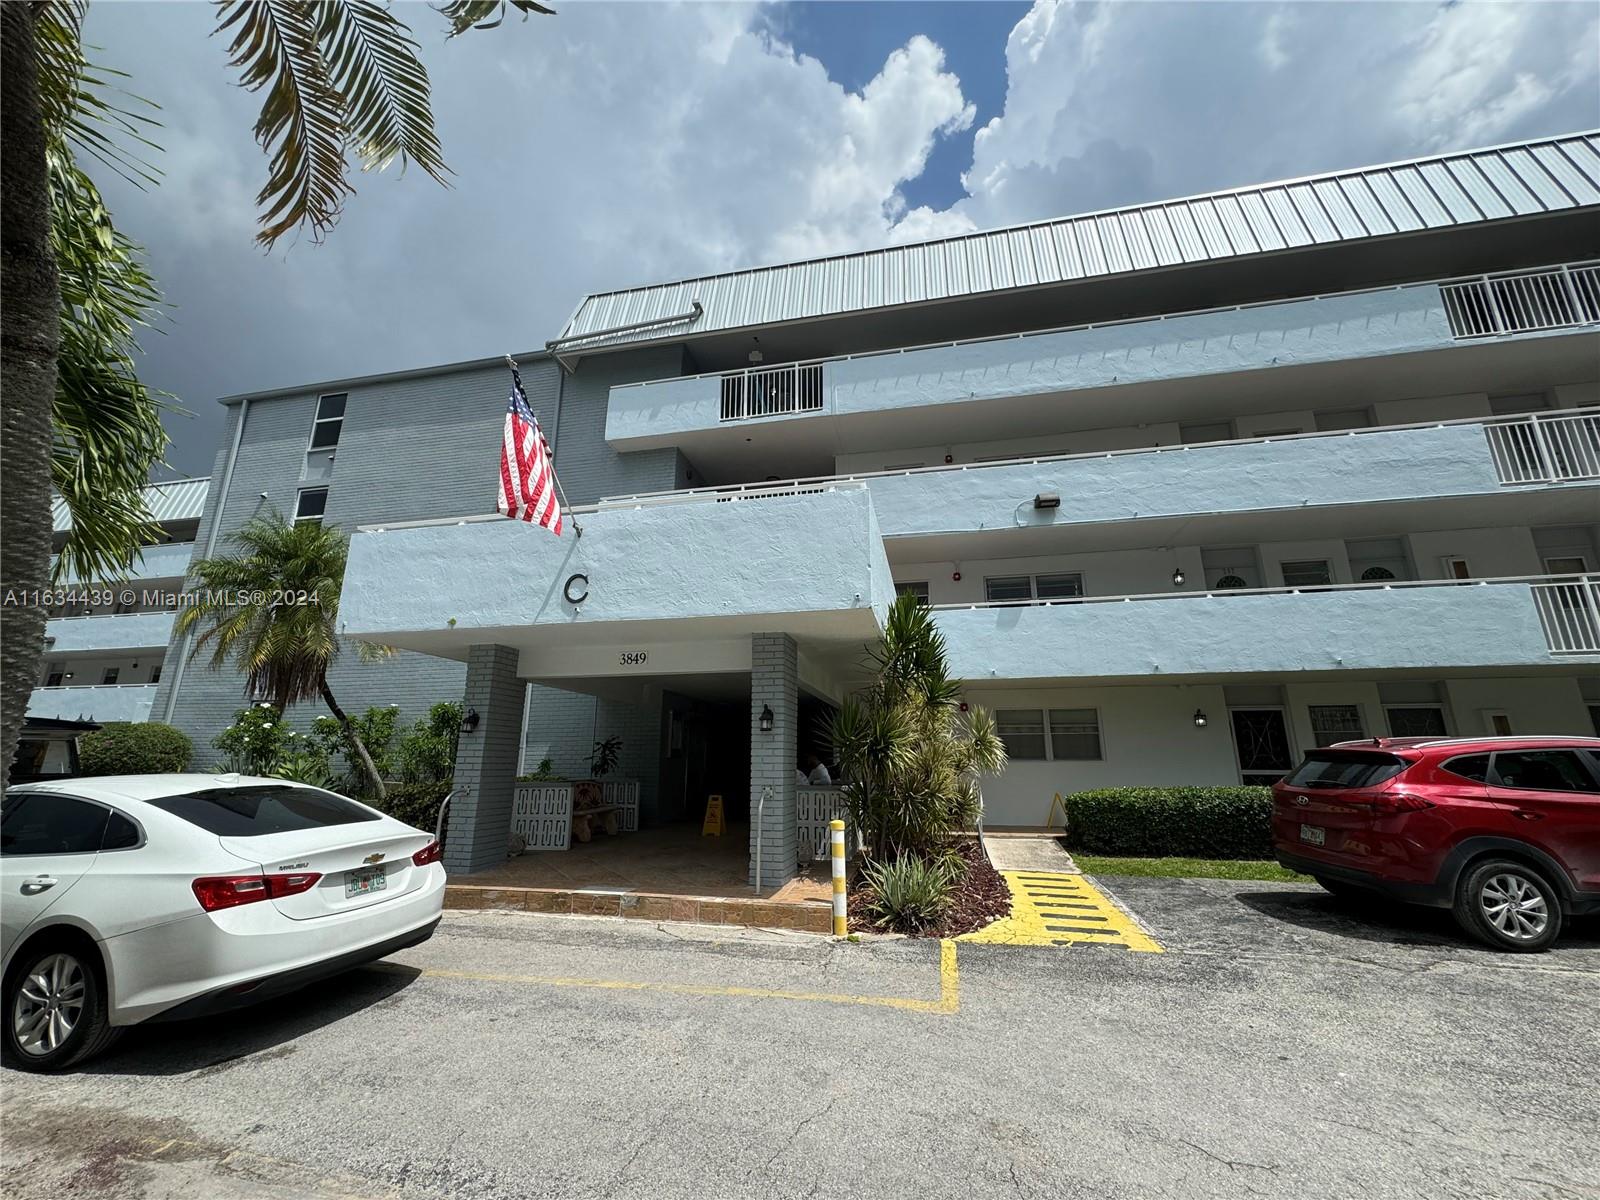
x: 713, y: 822
x: 1051, y: 908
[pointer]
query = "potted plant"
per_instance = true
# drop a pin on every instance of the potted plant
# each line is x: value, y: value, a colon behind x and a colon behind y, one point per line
x: 588, y: 795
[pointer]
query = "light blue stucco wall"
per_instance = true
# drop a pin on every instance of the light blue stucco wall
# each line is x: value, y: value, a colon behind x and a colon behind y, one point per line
x: 780, y: 554
x: 123, y: 631
x: 1326, y: 329
x: 1367, y: 629
x: 167, y: 560
x: 1348, y: 469
x: 110, y: 703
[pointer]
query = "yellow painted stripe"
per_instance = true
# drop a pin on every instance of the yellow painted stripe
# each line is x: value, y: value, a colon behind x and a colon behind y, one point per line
x: 1055, y: 910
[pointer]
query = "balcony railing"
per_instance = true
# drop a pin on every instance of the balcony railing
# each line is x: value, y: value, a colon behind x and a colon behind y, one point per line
x: 771, y: 391
x: 1569, y: 610
x: 1524, y: 302
x: 1546, y: 449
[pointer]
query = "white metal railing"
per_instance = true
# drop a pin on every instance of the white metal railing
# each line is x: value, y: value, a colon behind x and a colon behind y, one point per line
x: 817, y: 482
x: 1584, y: 273
x: 1524, y: 301
x: 771, y: 391
x: 1569, y: 611
x: 1554, y: 448
x: 91, y: 687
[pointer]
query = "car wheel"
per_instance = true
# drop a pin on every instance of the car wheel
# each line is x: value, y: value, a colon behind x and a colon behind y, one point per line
x: 55, y: 1009
x: 1508, y: 905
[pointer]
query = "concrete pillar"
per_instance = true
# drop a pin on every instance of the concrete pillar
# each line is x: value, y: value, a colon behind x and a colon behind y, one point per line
x: 774, y: 684
x: 486, y: 763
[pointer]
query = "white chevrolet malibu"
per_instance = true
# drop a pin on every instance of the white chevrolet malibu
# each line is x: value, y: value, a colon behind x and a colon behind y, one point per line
x: 158, y: 897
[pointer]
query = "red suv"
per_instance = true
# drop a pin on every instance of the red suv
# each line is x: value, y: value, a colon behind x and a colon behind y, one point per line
x: 1504, y: 831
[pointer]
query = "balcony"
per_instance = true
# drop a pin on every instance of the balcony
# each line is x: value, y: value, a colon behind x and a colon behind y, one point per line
x: 112, y: 632
x: 1354, y: 627
x: 668, y: 586
x: 166, y: 560
x: 109, y: 702
x: 1340, y: 327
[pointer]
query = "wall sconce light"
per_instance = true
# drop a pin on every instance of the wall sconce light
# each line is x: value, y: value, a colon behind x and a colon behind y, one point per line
x: 1200, y: 721
x: 956, y: 576
x: 948, y: 459
x: 1047, y: 500
x: 1177, y: 577
x: 766, y: 718
x: 470, y: 721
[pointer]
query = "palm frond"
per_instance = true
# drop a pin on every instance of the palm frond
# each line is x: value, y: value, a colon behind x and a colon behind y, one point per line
x: 300, y: 127
x: 463, y: 15
x: 371, y: 62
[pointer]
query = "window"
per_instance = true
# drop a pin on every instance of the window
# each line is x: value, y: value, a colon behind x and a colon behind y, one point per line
x: 1456, y: 568
x: 121, y: 833
x: 1074, y: 733
x: 1214, y: 431
x: 1416, y: 720
x: 45, y: 823
x: 1058, y: 587
x: 1014, y: 588
x: 1566, y: 565
x: 918, y: 589
x: 310, y: 504
x: 1469, y: 766
x: 263, y: 809
x: 1543, y: 771
x: 1310, y: 572
x: 1020, y: 589
x: 1022, y: 731
x: 54, y: 676
x: 1342, y: 418
x: 1345, y: 769
x: 1498, y: 723
x: 1228, y: 583
x: 110, y: 675
x: 1332, y: 723
x: 1376, y: 574
x: 330, y: 420
x: 155, y: 673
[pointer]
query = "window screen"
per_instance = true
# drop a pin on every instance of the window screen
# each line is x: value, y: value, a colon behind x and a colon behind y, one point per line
x: 1420, y: 721
x: 1074, y: 733
x: 1059, y: 587
x: 918, y: 589
x: 1310, y: 572
x: 1022, y: 731
x: 1000, y: 588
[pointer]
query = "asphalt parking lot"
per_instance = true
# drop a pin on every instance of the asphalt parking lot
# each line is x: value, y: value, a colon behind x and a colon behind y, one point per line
x: 1283, y: 1045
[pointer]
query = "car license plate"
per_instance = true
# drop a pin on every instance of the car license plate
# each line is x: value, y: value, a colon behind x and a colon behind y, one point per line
x: 364, y: 882
x: 1313, y: 835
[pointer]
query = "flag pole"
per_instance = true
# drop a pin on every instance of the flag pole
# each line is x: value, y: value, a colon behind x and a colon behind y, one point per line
x: 554, y: 474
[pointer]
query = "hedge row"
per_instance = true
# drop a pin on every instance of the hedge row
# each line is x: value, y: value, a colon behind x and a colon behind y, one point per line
x: 1155, y: 822
x: 129, y: 748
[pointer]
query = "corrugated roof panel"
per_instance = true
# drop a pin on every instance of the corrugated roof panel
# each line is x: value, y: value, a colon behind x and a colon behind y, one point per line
x: 1435, y: 191
x: 169, y: 502
x: 1456, y: 201
x: 1262, y: 226
x: 1581, y: 189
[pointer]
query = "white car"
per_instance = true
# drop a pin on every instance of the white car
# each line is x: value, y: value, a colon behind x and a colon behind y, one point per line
x: 130, y: 898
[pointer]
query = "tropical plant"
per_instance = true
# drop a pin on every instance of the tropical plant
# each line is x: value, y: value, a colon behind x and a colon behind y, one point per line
x: 273, y: 611
x: 427, y: 752
x: 134, y: 748
x: 911, y: 757
x: 304, y: 766
x: 603, y: 758
x: 911, y: 893
x: 375, y: 728
x: 340, y: 80
x: 256, y: 741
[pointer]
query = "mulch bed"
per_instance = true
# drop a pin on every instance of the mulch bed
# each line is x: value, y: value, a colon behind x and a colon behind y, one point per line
x: 979, y: 899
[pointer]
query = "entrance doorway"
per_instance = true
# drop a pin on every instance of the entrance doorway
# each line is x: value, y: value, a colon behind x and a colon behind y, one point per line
x: 1261, y: 742
x: 705, y: 752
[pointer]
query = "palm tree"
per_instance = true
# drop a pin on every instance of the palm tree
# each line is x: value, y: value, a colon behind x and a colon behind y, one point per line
x: 911, y: 756
x: 340, y: 81
x: 273, y: 610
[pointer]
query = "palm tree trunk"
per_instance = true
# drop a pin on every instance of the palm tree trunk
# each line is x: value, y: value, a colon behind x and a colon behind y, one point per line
x: 367, y: 764
x: 29, y: 339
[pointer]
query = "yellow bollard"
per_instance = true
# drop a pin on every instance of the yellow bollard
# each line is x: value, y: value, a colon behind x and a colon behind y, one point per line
x: 841, y: 924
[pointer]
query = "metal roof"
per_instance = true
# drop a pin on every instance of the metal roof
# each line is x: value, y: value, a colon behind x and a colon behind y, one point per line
x: 1469, y: 187
x: 173, y: 500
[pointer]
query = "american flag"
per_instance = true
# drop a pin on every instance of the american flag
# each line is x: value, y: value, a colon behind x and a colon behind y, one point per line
x: 527, y: 474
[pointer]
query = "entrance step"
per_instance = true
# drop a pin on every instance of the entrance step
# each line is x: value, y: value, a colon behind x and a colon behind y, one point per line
x: 807, y: 916
x: 1041, y: 851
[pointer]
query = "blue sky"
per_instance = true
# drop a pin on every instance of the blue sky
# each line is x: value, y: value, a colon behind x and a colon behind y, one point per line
x: 620, y: 144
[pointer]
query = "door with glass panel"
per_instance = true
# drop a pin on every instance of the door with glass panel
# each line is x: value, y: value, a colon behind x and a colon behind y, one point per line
x: 1261, y: 743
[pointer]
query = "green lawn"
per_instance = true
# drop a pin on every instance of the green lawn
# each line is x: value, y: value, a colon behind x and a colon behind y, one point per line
x: 1188, y: 868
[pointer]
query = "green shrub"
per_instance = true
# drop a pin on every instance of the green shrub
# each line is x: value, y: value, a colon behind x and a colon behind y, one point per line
x: 910, y: 893
x: 257, y: 739
x: 427, y: 751
x: 376, y: 728
x: 415, y: 803
x: 128, y: 748
x: 1156, y: 822
x: 304, y: 766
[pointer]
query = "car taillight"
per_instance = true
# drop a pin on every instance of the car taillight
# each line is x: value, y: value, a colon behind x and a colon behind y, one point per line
x: 230, y: 891
x: 428, y: 854
x: 1398, y: 802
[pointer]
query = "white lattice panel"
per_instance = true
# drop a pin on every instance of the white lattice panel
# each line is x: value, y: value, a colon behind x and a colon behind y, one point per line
x: 542, y: 814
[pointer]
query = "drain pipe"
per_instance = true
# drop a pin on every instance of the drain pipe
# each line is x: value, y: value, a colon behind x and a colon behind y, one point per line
x: 761, y: 806
x: 211, y: 545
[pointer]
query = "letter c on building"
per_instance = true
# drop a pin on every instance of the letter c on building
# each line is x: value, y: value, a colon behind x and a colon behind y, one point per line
x: 577, y: 589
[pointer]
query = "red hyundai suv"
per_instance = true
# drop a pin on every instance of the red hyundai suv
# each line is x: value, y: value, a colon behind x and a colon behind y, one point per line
x: 1504, y: 831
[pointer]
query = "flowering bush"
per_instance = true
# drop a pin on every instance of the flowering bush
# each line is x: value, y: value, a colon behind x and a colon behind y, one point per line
x: 258, y: 738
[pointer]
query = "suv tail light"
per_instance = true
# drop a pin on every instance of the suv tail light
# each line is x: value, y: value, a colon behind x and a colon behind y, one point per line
x: 1399, y: 802
x: 230, y: 891
x: 428, y: 854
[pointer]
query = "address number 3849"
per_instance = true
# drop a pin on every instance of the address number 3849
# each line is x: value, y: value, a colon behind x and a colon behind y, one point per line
x: 632, y: 658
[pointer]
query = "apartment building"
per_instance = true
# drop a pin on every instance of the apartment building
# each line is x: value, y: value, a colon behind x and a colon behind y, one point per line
x: 106, y: 641
x: 1191, y: 487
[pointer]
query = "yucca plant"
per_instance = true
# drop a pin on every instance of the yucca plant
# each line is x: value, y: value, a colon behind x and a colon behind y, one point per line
x: 911, y: 892
x: 282, y: 648
x: 911, y: 756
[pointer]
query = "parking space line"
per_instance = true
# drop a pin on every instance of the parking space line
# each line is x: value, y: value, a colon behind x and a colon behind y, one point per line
x: 948, y: 1003
x: 1049, y: 909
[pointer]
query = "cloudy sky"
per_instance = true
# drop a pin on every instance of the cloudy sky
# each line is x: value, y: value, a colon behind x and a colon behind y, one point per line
x: 625, y: 143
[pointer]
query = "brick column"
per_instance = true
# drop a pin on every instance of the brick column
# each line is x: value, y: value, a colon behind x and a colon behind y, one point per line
x: 774, y: 684
x: 486, y: 763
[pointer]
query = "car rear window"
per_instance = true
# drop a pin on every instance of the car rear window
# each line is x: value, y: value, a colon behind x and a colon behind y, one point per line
x: 1345, y: 769
x: 258, y: 810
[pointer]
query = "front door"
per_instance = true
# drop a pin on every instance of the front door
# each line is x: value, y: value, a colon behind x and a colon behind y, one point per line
x: 1261, y: 742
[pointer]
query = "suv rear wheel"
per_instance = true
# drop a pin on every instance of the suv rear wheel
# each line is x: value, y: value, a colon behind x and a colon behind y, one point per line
x: 1508, y: 905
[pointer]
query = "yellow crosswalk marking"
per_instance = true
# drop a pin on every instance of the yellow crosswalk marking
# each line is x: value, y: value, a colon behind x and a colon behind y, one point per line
x: 1052, y: 909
